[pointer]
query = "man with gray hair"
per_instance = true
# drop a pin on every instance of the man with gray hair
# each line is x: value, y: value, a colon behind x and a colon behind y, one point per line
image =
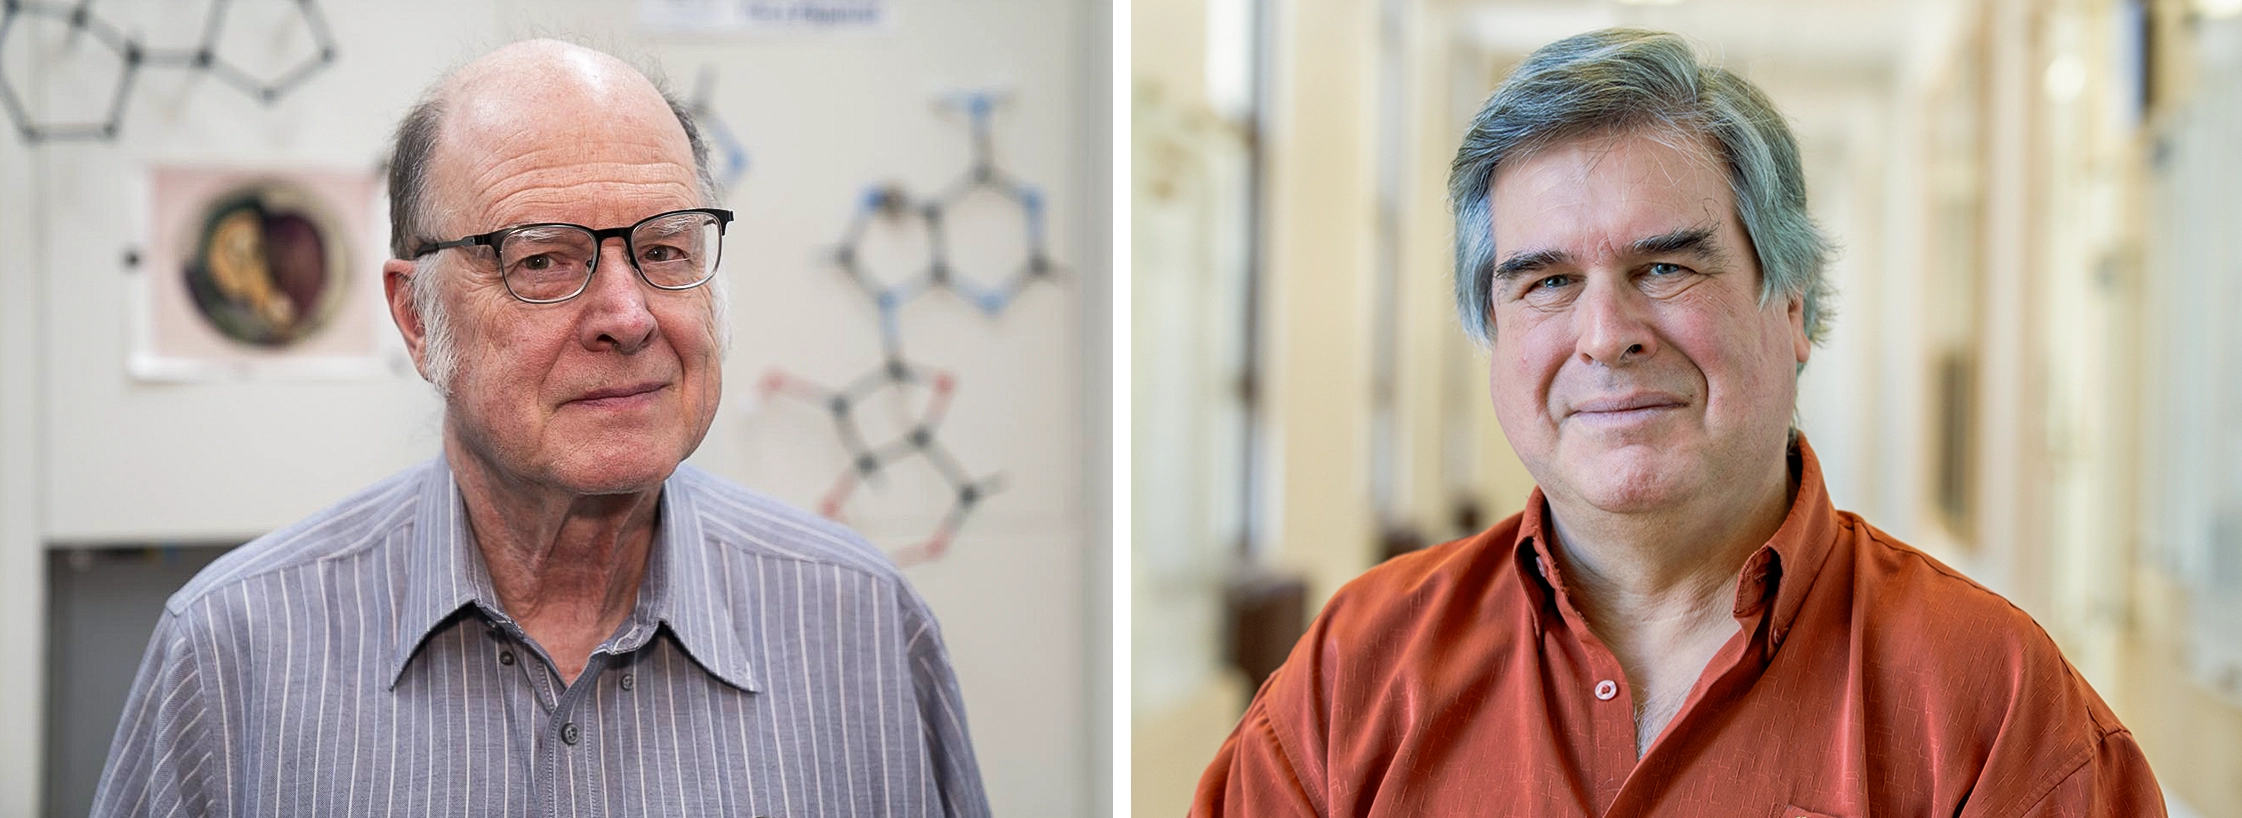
x: 1678, y: 623
x: 553, y: 616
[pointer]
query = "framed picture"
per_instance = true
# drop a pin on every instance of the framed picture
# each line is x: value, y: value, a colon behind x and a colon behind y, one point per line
x: 258, y: 274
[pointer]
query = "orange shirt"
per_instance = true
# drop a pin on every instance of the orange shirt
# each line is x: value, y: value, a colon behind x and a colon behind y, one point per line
x: 1867, y: 679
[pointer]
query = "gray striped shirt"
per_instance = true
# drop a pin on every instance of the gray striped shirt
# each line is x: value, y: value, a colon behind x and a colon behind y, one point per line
x: 358, y: 663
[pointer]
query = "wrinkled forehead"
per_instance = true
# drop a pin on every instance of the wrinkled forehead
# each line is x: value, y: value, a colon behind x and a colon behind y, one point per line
x: 569, y: 110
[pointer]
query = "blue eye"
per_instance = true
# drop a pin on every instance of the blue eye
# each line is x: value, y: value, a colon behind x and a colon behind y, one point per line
x: 1665, y: 269
x: 1550, y: 283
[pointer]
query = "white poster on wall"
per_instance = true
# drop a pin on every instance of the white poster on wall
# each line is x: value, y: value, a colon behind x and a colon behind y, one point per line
x: 764, y: 16
x: 252, y: 273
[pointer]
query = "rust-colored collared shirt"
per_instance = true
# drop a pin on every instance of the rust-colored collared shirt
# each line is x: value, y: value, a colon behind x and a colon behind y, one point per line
x: 1867, y: 679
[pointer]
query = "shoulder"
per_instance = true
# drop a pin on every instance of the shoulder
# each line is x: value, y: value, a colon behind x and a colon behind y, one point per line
x: 1909, y: 595
x: 1441, y: 586
x: 1436, y: 607
x: 1951, y: 667
x: 756, y: 525
x: 1925, y: 619
x: 351, y: 527
x: 740, y: 523
x: 1416, y: 630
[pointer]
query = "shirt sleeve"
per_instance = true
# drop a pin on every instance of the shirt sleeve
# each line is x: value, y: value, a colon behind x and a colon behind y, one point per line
x: 1251, y: 774
x: 2059, y: 750
x: 949, y: 747
x: 166, y: 750
x: 2114, y: 782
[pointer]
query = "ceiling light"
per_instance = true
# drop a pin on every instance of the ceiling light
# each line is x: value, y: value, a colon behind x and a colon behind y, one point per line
x: 2066, y: 77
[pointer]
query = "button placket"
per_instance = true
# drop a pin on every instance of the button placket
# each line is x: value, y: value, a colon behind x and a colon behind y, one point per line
x: 508, y: 654
x: 1610, y: 715
x: 544, y: 688
x: 505, y: 646
x: 517, y: 703
x: 565, y: 725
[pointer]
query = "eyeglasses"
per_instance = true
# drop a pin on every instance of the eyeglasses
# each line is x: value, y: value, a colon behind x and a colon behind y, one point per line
x: 552, y: 262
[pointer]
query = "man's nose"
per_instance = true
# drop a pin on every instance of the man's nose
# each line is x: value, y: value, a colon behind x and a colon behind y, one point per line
x: 615, y: 312
x: 1613, y: 322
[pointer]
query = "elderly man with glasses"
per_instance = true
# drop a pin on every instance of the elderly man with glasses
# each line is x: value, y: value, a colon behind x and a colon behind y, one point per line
x: 553, y: 616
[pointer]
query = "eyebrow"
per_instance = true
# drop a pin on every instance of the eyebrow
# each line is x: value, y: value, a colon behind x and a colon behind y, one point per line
x: 670, y: 228
x: 1696, y: 241
x: 540, y: 232
x: 1529, y: 262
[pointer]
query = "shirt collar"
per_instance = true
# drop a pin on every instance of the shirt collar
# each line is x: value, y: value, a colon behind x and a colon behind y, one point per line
x: 1796, y: 552
x: 445, y: 573
x: 686, y: 592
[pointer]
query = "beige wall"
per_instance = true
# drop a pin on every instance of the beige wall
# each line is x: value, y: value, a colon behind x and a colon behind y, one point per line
x: 1182, y: 703
x: 1315, y: 338
x: 2192, y: 735
x: 2075, y: 380
x: 1451, y: 446
x: 1317, y: 285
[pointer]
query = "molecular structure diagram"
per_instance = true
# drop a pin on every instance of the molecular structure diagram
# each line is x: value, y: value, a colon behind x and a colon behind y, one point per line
x: 133, y: 56
x: 720, y: 136
x: 889, y: 207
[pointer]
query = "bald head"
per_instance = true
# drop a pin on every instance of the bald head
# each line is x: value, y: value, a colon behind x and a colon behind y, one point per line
x: 522, y: 103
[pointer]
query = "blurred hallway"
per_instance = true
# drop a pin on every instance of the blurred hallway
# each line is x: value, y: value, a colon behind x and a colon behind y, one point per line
x: 2032, y: 373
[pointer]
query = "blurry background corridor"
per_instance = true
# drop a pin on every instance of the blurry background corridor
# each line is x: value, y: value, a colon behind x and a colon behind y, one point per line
x: 2033, y: 372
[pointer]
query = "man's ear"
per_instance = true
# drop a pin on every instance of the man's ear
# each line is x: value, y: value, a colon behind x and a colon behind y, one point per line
x: 1800, y: 342
x: 397, y: 285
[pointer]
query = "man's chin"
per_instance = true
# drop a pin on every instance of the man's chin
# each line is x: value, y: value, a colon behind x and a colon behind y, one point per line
x: 1633, y: 480
x: 1632, y: 499
x: 628, y: 471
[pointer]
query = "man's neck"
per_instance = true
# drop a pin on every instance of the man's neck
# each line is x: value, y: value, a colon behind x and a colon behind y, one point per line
x: 1659, y: 588
x: 566, y: 567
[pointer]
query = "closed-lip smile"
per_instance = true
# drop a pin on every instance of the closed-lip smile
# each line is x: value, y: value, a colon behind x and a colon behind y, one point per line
x: 616, y: 395
x: 1618, y: 405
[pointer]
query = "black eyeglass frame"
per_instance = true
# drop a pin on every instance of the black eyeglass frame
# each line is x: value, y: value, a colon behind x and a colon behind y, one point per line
x: 494, y: 238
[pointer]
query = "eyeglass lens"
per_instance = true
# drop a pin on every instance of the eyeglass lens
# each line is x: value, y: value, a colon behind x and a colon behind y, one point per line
x: 552, y: 262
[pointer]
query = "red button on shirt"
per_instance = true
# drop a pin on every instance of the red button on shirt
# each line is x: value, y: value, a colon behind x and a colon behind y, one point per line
x: 1866, y: 678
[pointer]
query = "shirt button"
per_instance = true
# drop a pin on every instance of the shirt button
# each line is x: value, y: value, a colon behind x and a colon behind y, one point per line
x: 506, y: 657
x: 568, y: 733
x: 1606, y: 689
x: 626, y: 683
